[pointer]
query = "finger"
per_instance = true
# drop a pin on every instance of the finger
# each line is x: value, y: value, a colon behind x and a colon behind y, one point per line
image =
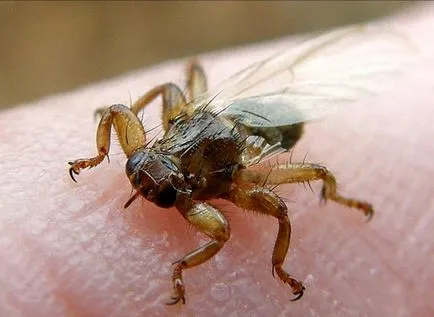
x: 75, y: 250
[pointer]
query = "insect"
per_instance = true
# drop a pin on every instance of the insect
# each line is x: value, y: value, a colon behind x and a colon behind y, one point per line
x: 212, y: 137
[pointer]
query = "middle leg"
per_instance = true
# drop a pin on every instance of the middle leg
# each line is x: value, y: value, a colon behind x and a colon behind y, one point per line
x: 196, y: 79
x: 173, y: 102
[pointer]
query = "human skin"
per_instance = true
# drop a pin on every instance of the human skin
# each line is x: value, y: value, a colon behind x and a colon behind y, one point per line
x: 70, y: 249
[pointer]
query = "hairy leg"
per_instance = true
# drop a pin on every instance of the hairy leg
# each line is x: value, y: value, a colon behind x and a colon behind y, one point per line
x: 304, y: 172
x: 128, y: 128
x: 262, y: 200
x: 211, y: 222
x: 196, y: 79
x: 173, y: 102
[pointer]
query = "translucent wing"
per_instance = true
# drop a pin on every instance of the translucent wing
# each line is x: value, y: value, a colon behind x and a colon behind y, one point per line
x: 310, y: 80
x: 315, y: 77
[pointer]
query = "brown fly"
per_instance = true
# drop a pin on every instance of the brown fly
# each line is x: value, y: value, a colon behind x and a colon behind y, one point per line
x: 211, y: 138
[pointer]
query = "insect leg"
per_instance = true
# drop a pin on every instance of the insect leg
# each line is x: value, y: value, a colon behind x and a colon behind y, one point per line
x: 128, y: 128
x: 211, y: 222
x: 196, y: 79
x: 260, y: 199
x: 173, y: 102
x: 304, y: 172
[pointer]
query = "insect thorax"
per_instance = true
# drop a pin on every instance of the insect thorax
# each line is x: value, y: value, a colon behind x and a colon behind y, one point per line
x: 208, y: 151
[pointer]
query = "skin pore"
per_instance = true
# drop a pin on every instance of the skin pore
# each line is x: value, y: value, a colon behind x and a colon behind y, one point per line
x: 72, y: 250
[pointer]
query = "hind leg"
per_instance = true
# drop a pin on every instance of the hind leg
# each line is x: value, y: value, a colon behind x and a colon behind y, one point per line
x: 262, y: 200
x: 304, y: 172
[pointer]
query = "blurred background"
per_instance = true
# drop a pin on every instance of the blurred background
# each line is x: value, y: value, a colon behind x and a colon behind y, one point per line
x: 49, y: 47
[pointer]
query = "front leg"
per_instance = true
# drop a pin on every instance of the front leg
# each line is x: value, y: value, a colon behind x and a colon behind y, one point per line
x: 264, y: 201
x: 303, y: 172
x: 211, y: 222
x: 128, y: 128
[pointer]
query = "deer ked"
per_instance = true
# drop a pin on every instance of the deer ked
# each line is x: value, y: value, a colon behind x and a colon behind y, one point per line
x: 212, y: 137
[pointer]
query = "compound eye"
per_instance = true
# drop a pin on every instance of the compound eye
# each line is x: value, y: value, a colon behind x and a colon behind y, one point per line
x: 135, y: 162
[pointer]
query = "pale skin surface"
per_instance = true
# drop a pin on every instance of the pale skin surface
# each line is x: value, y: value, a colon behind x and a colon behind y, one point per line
x: 71, y: 249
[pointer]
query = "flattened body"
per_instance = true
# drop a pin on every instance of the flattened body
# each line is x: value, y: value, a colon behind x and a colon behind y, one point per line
x: 208, y: 151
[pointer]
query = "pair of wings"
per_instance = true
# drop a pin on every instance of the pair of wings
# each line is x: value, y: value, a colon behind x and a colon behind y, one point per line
x: 313, y: 78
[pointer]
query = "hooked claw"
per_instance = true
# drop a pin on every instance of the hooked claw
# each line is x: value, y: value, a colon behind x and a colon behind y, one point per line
x: 322, y: 197
x: 297, y: 287
x: 299, y: 294
x: 369, y: 213
x: 179, y: 292
x: 72, y: 171
x: 175, y: 299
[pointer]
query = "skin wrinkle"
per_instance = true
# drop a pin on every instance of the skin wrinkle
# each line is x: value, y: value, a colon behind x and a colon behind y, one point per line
x: 103, y: 192
x: 380, y: 255
x: 342, y: 251
x: 65, y: 293
x: 32, y: 251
